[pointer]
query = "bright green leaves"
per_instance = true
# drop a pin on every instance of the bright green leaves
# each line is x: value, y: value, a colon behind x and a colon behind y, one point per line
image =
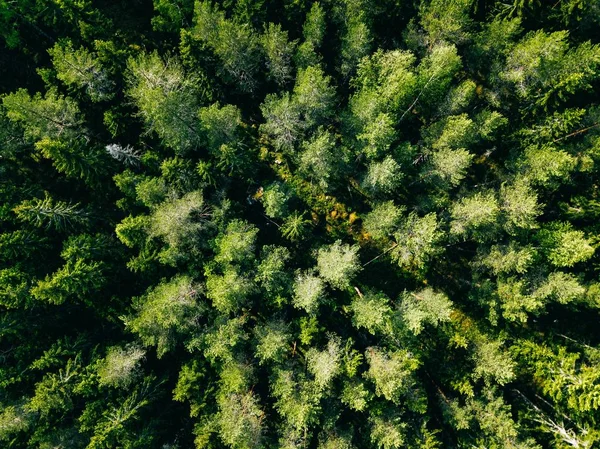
x: 297, y: 399
x: 314, y: 95
x: 272, y: 274
x: 446, y: 20
x: 492, y: 364
x: 54, y: 124
x: 121, y: 366
x: 424, y: 307
x: 167, y: 100
x: 273, y: 340
x: 520, y: 205
x: 179, y: 223
x: 392, y: 372
x: 227, y: 285
x: 338, y: 264
x: 235, y: 44
x: 274, y: 199
x: 13, y: 419
x: 166, y: 314
x: 240, y: 420
x: 371, y: 311
x: 80, y: 68
x: 236, y: 245
x: 313, y: 31
x: 57, y: 215
x: 546, y: 166
x: 288, y: 117
x: 388, y: 433
x: 278, y: 51
x: 383, y: 178
x: 70, y: 282
x: 309, y: 292
x: 228, y: 291
x: 475, y: 216
x: 510, y: 258
x: 52, y: 116
x: 320, y: 159
x: 382, y: 220
x: 545, y: 70
x: 416, y: 241
x: 385, y: 82
x: 564, y: 246
x: 325, y: 365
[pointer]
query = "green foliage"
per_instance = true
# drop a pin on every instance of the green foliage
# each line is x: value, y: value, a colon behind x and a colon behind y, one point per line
x: 475, y: 216
x: 120, y: 366
x: 166, y: 314
x: 309, y: 291
x: 545, y: 70
x: 371, y: 311
x: 383, y: 177
x: 74, y: 279
x: 52, y: 116
x: 298, y: 224
x: 80, y: 68
x: 416, y: 241
x: 324, y: 365
x: 425, y: 307
x: 338, y: 264
x: 383, y: 220
x: 235, y: 44
x: 166, y: 99
x: 279, y: 53
x: 228, y: 291
x: 564, y: 246
x: 391, y: 372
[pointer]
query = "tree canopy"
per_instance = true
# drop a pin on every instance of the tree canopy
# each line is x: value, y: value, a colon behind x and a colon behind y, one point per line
x: 327, y: 224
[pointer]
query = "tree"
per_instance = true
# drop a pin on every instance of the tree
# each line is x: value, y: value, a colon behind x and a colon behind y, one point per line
x: 236, y: 244
x: 272, y: 274
x: 58, y: 215
x: 166, y: 99
x: 80, y: 68
x: 445, y: 20
x: 166, y: 314
x: 279, y: 53
x: 383, y: 177
x: 235, y: 44
x: 320, y: 160
x: 563, y: 246
x: 475, y: 216
x: 314, y: 95
x: 373, y: 312
x: 424, y: 307
x: 120, y: 367
x: 519, y: 205
x: 273, y: 340
x: 179, y: 223
x: 70, y: 281
x: 240, y: 420
x: 391, y: 372
x: 383, y: 220
x: 325, y: 365
x: 52, y: 116
x: 228, y: 291
x: 309, y: 292
x: 416, y: 241
x: 313, y: 32
x: 544, y: 70
x: 338, y: 264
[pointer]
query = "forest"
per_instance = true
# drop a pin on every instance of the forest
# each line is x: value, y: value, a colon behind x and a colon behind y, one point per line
x: 294, y: 224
